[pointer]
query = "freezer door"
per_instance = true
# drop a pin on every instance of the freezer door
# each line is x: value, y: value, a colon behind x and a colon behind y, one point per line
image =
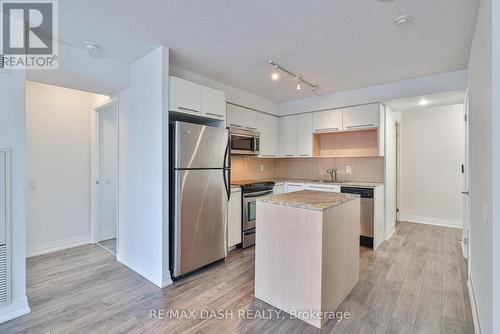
x: 199, y: 146
x: 200, y: 219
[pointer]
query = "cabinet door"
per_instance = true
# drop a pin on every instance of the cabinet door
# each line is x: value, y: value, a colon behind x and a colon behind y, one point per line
x: 327, y: 120
x: 234, y: 219
x: 288, y: 134
x: 240, y: 117
x: 304, y: 135
x: 213, y: 103
x: 185, y: 96
x: 269, y: 127
x: 361, y: 117
x: 291, y: 187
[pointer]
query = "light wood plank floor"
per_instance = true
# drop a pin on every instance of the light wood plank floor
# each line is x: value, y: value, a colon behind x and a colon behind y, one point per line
x: 415, y: 283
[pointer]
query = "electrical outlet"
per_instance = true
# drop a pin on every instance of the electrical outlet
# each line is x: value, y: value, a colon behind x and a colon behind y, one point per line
x: 261, y: 168
x: 348, y: 169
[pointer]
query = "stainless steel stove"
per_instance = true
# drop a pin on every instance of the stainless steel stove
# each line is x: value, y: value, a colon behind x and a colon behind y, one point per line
x: 251, y: 192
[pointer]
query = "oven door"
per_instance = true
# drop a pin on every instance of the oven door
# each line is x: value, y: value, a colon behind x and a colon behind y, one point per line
x: 250, y: 208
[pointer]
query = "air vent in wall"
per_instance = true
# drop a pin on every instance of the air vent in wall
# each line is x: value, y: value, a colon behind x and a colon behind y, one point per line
x: 4, y: 227
x: 2, y: 62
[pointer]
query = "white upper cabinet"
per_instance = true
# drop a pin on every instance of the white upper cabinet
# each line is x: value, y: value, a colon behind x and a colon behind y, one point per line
x: 190, y: 98
x: 361, y: 117
x: 213, y: 102
x: 240, y: 117
x: 327, y: 120
x: 289, y: 136
x: 269, y: 127
x: 185, y: 96
x: 305, y: 135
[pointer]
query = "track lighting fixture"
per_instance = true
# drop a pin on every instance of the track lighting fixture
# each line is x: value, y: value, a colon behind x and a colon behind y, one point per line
x: 300, y: 80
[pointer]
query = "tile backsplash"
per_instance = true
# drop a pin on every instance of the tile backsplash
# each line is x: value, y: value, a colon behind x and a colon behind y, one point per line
x: 369, y: 169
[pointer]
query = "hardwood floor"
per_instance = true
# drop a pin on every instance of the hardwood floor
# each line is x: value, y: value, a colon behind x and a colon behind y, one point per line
x: 109, y: 244
x: 415, y: 283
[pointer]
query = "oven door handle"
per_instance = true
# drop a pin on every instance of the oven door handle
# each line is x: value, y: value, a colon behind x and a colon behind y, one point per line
x: 258, y: 194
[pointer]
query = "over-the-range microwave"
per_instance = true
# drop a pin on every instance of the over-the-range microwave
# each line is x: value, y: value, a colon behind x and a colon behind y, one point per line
x: 244, y: 141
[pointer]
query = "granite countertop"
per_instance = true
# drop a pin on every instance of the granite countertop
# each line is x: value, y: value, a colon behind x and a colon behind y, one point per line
x: 309, y: 199
x: 339, y: 183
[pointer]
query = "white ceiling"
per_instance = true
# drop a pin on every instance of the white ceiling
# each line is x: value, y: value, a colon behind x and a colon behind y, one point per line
x: 434, y: 100
x: 337, y: 44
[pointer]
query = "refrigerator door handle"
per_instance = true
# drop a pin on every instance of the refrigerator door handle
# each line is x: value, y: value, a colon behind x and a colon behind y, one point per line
x: 227, y: 161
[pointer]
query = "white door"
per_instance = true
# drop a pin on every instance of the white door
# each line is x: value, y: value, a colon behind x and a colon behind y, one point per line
x: 305, y: 135
x: 465, y: 188
x: 107, y: 176
x: 288, y: 132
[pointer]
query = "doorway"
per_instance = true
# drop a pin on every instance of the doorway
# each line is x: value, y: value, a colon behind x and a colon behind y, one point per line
x: 105, y: 231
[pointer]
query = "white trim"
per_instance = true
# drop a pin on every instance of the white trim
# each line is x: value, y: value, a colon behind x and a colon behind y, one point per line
x: 473, y: 304
x: 390, y: 232
x: 53, y: 246
x: 143, y: 270
x: 16, y: 309
x: 95, y: 167
x: 8, y: 222
x: 431, y: 221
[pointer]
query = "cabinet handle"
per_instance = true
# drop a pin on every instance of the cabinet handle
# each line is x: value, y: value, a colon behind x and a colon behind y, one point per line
x: 327, y: 129
x: 289, y: 155
x: 235, y: 125
x: 211, y: 114
x: 359, y: 126
x: 267, y: 155
x: 187, y: 109
x: 250, y: 128
x: 304, y: 155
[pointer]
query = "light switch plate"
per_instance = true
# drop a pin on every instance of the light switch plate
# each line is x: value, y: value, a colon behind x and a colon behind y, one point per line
x: 348, y: 169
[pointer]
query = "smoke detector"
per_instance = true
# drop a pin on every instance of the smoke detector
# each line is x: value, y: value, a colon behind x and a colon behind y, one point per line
x: 403, y: 19
x: 93, y: 49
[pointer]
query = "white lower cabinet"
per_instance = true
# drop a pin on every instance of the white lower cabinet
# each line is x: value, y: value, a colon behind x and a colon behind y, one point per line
x: 234, y: 218
x: 291, y: 187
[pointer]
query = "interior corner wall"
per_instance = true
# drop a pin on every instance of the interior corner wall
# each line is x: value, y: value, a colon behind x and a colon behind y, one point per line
x: 481, y: 172
x: 58, y: 141
x: 433, y: 151
x: 141, y: 137
x: 12, y: 137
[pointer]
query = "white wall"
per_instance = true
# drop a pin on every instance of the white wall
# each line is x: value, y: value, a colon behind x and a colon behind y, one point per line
x: 390, y: 173
x: 12, y: 136
x: 143, y: 175
x: 407, y: 88
x: 481, y: 172
x: 433, y: 151
x: 58, y: 140
x: 233, y: 95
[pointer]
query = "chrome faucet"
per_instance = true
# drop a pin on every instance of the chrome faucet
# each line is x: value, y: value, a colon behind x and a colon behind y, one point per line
x: 333, y: 174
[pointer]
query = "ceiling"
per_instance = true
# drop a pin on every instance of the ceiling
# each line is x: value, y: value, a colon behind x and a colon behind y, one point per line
x: 433, y: 100
x: 337, y: 44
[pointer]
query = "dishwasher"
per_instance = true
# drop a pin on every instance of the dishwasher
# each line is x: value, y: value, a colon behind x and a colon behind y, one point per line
x: 367, y: 213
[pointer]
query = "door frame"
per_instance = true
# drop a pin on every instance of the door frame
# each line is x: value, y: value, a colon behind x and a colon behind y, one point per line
x: 465, y: 242
x: 95, y: 169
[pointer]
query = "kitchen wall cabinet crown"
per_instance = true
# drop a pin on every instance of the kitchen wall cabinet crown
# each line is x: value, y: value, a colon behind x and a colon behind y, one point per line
x: 191, y: 98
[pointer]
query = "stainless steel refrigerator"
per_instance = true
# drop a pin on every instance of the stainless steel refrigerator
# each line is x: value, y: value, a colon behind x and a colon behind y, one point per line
x: 199, y: 190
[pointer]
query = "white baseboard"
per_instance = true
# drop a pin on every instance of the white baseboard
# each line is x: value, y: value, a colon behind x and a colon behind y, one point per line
x: 143, y: 270
x: 107, y: 235
x: 432, y: 221
x: 53, y: 246
x: 390, y: 232
x: 17, y: 308
x: 473, y: 304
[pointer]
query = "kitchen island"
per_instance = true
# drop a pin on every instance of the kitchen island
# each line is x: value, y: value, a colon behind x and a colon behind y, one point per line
x: 307, y: 252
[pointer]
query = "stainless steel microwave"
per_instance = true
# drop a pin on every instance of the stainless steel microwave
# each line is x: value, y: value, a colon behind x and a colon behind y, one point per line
x: 243, y: 141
